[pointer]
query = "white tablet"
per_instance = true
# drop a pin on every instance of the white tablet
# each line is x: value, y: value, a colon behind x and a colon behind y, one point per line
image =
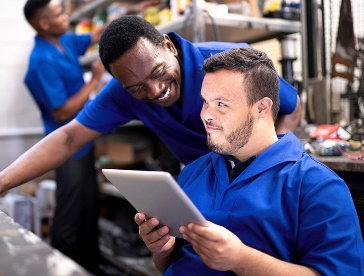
x: 156, y: 194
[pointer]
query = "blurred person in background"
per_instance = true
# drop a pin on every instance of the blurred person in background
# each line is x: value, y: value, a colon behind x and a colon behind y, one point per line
x: 55, y: 80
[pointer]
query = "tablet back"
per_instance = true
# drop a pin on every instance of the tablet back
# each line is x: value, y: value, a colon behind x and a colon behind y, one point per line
x: 157, y: 194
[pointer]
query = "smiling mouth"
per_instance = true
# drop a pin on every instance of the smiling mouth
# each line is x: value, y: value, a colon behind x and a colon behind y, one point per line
x: 165, y: 94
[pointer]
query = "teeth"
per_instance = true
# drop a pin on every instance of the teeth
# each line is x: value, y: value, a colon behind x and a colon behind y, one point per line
x: 166, y: 94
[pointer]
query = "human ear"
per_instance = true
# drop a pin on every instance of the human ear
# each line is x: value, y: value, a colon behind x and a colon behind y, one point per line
x: 43, y: 24
x: 169, y: 44
x: 265, y: 106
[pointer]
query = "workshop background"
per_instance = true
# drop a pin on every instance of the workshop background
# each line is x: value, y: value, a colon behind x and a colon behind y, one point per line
x: 318, y: 46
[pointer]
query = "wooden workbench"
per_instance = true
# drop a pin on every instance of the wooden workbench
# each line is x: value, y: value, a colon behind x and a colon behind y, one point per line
x: 341, y: 163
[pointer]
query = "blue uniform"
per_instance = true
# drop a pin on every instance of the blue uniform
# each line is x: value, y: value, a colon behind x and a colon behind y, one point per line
x: 285, y: 204
x: 54, y: 76
x: 180, y: 129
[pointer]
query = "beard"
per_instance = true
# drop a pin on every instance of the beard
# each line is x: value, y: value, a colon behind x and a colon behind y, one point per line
x: 235, y: 139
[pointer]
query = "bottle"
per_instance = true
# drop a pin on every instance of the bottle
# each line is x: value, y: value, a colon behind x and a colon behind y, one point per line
x: 98, y: 21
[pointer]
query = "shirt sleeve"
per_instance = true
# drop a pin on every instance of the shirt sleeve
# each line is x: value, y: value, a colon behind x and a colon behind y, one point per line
x: 111, y: 108
x: 80, y: 43
x: 327, y: 240
x: 47, y: 87
x: 287, y: 97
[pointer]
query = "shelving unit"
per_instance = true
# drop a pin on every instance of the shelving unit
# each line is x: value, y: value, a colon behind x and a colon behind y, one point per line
x: 88, y: 9
x: 236, y: 28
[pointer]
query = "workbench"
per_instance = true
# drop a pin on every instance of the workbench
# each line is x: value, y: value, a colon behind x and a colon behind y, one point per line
x: 341, y: 163
x: 24, y: 253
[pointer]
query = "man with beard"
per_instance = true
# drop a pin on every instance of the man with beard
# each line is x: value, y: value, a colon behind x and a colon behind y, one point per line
x: 272, y: 208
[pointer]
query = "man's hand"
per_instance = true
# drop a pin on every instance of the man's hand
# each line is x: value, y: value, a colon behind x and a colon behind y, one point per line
x: 217, y: 247
x: 158, y: 240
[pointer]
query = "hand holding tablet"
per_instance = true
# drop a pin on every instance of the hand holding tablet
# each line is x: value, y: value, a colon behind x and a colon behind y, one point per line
x: 156, y: 194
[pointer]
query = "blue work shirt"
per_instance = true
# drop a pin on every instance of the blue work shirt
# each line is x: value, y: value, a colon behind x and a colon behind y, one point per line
x: 54, y: 76
x: 285, y: 204
x: 180, y: 129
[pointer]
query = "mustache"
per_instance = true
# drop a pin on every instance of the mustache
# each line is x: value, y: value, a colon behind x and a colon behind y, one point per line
x: 210, y: 124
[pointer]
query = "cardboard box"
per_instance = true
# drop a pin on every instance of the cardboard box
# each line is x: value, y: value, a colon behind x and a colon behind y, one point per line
x: 117, y: 152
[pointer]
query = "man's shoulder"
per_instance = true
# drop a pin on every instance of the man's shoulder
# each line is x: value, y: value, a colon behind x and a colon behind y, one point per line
x: 40, y: 55
x: 208, y: 47
x: 220, y: 45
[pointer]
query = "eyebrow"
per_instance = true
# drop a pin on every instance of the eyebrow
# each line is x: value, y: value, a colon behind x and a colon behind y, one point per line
x: 219, y: 98
x: 143, y: 82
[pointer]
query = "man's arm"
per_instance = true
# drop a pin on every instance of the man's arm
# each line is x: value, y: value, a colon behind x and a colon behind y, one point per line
x: 49, y: 153
x: 75, y: 103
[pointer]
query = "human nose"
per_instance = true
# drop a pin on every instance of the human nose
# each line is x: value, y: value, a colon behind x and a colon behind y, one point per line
x: 155, y: 89
x: 207, y: 114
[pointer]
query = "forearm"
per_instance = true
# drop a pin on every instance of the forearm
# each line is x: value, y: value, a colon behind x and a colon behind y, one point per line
x: 254, y: 262
x: 162, y: 261
x: 75, y: 103
x: 49, y: 153
x: 41, y: 158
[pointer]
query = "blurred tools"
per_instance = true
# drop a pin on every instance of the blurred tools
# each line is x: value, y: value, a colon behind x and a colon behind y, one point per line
x: 345, y: 53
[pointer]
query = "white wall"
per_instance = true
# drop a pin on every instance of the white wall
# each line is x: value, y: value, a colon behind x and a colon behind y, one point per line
x: 20, y: 124
x: 18, y: 112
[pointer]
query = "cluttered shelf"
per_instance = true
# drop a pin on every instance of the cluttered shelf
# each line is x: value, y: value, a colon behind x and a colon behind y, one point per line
x: 339, y: 148
x: 87, y: 9
x: 212, y: 22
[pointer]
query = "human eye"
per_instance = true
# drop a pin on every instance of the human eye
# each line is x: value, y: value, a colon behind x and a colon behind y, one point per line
x: 160, y: 72
x: 221, y: 104
x: 135, y: 91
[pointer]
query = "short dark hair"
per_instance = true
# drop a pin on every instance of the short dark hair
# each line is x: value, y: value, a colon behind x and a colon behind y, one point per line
x: 122, y: 34
x: 32, y: 7
x: 260, y: 77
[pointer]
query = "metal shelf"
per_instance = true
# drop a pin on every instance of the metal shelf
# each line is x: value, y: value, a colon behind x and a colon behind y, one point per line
x: 88, y: 9
x: 235, y: 28
x: 239, y: 28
